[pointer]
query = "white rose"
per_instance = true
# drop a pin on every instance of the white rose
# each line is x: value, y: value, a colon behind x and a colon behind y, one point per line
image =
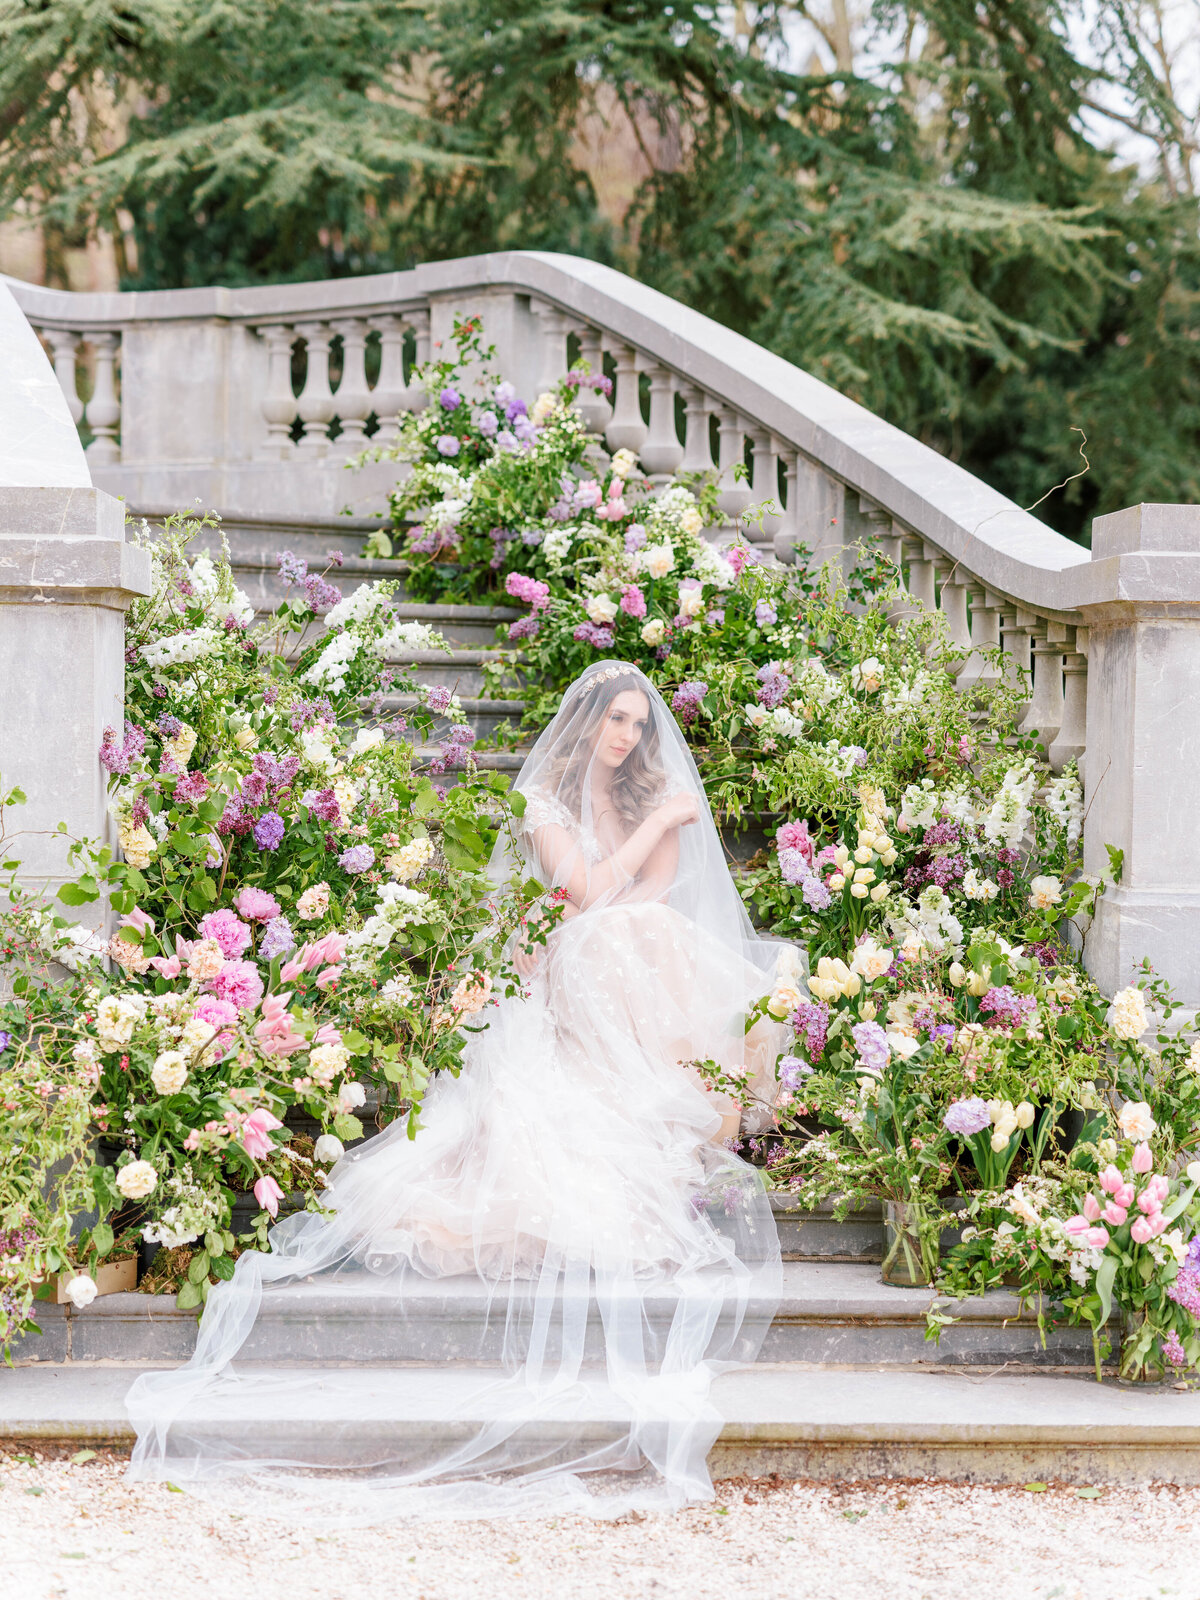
x: 1044, y: 892
x: 328, y: 1148
x: 1136, y: 1121
x: 169, y: 1072
x: 784, y: 1000
x: 900, y: 1044
x: 137, y: 1180
x: 245, y: 739
x: 870, y: 961
x: 691, y: 602
x: 366, y: 739
x: 656, y: 560
x: 1128, y: 1019
x: 601, y: 608
x: 81, y: 1290
x: 654, y: 633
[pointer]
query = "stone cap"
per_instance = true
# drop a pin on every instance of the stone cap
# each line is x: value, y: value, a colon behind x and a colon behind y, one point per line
x: 67, y: 547
x: 1147, y: 527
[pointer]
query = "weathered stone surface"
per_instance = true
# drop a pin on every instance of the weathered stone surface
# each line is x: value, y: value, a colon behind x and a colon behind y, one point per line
x: 39, y: 443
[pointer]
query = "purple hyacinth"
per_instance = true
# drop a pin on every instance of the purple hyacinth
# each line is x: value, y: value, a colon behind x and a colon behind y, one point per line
x: 1007, y: 1008
x: 871, y: 1043
x: 277, y: 939
x: 358, y: 858
x: 966, y: 1117
x: 765, y: 615
x: 291, y: 568
x: 811, y: 1019
x: 269, y: 831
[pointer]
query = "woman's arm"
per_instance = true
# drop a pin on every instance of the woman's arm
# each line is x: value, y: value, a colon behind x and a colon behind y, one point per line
x: 563, y: 860
x: 658, y: 874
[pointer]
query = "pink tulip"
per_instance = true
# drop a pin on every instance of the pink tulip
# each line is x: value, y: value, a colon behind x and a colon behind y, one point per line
x: 138, y: 921
x: 1149, y: 1202
x: 327, y: 1034
x: 1159, y: 1186
x: 1097, y: 1238
x: 1158, y: 1223
x: 167, y: 966
x: 268, y: 1194
x: 290, y: 971
x: 1091, y: 1208
x: 1111, y: 1179
x: 1124, y: 1195
x: 254, y: 1133
x: 274, y: 1032
x: 328, y: 976
x: 1142, y: 1230
x: 1143, y: 1160
x: 1076, y: 1226
x: 1114, y: 1214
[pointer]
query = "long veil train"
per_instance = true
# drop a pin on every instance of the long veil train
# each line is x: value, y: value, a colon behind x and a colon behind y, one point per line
x: 570, y: 1189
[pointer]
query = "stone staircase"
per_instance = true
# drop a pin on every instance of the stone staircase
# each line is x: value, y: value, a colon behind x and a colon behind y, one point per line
x: 846, y: 1384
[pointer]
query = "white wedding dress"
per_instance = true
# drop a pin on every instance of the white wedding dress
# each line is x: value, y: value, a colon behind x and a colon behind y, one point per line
x: 571, y: 1185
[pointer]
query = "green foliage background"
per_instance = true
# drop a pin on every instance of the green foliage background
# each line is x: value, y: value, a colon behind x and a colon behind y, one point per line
x: 939, y: 238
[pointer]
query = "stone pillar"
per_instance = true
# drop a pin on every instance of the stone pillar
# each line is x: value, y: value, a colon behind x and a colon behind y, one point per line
x: 1143, y: 743
x: 66, y: 579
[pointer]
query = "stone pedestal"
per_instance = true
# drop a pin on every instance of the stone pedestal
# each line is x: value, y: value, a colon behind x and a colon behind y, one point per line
x: 66, y: 580
x: 1142, y: 762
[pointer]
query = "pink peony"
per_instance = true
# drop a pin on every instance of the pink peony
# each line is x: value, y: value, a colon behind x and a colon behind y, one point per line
x: 239, y: 982
x: 268, y: 1194
x: 230, y: 932
x: 219, y: 1014
x: 256, y: 905
x: 795, y: 836
x: 255, y: 1128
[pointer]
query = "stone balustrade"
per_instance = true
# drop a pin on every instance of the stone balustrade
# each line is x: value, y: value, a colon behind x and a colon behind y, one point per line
x: 225, y: 396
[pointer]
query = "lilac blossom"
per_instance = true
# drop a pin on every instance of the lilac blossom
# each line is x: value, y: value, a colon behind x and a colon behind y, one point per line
x: 765, y: 615
x: 277, y: 939
x: 1185, y: 1291
x: 322, y: 596
x: 685, y: 702
x: 635, y: 538
x: 595, y: 634
x: 280, y: 772
x: 811, y: 1018
x: 633, y: 601
x: 168, y: 726
x: 941, y: 834
x: 291, y: 568
x: 525, y: 627
x: 775, y: 686
x: 1007, y: 1008
x: 487, y: 424
x: 871, y: 1043
x: 438, y: 697
x: 191, y: 788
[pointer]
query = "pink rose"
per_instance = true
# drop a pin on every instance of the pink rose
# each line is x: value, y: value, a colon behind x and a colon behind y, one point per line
x: 1143, y: 1160
x: 230, y: 932
x: 268, y: 1194
x: 256, y: 905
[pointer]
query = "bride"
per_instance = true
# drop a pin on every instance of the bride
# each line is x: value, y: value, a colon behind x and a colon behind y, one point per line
x: 569, y: 1243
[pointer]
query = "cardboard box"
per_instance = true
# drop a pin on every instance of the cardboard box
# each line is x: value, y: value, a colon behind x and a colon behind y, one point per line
x: 112, y: 1277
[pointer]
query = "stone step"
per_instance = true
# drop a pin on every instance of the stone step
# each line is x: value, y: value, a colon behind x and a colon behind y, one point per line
x: 485, y: 716
x: 830, y: 1313
x: 795, y: 1421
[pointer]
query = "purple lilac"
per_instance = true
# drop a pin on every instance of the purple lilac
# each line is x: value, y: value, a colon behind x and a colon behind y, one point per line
x: 945, y: 870
x: 279, y: 772
x: 254, y: 788
x: 793, y: 1071
x: 269, y: 831
x: 119, y: 757
x: 1007, y: 1008
x: 168, y: 726
x: 811, y: 1019
x: 487, y: 424
x: 765, y: 615
x: 716, y: 617
x: 324, y: 806
x: 685, y: 702
x: 191, y: 788
x: 306, y: 712
x: 633, y: 602
x: 525, y: 627
x: 775, y: 686
x: 291, y: 568
x: 234, y: 818
x: 1005, y: 879
x: 438, y: 697
x: 1173, y: 1350
x: 277, y: 939
x: 966, y: 1117
x: 635, y: 538
x: 595, y: 634
x: 1185, y: 1291
x: 322, y: 596
x: 941, y: 834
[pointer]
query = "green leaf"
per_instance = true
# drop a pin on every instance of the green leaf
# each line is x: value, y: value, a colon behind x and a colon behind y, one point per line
x: 1035, y: 1488
x: 1116, y: 862
x: 223, y: 1268
x: 1104, y: 1286
x: 102, y: 1238
x: 347, y: 1126
x: 81, y: 1456
x: 1088, y: 1492
x: 188, y: 1297
x: 213, y: 1243
x: 198, y: 1268
x: 71, y: 894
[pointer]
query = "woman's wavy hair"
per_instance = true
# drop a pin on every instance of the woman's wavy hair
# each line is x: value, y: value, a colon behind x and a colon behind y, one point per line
x: 637, y: 783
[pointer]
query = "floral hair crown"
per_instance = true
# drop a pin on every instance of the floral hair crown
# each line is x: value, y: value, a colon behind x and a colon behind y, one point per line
x: 606, y: 676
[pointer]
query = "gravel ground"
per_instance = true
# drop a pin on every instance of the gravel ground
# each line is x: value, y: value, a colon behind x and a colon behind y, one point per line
x: 71, y: 1529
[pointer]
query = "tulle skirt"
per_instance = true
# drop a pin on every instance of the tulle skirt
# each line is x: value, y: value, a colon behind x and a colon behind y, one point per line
x: 522, y: 1309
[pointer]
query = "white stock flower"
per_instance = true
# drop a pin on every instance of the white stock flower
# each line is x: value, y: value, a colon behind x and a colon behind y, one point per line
x: 1008, y: 820
x: 137, y: 1180
x: 977, y: 888
x: 1128, y: 1018
x: 169, y: 1072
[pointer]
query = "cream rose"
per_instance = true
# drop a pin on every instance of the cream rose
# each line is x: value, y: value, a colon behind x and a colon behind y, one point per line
x: 654, y: 633
x: 656, y: 560
x: 1128, y: 1019
x: 169, y: 1072
x: 137, y: 1180
x: 205, y: 961
x: 1044, y: 892
x: 601, y: 608
x: 1136, y: 1121
x: 313, y: 903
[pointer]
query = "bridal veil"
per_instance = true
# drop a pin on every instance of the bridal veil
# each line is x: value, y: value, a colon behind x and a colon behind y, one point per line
x: 523, y: 1309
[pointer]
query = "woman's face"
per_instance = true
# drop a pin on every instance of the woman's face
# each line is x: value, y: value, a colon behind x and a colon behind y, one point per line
x: 622, y: 728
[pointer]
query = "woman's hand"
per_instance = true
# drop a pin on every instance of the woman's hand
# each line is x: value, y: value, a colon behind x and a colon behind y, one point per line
x: 678, y: 811
x: 526, y: 961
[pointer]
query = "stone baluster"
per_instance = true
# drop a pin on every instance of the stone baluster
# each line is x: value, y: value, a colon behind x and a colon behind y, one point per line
x: 953, y: 604
x: 734, y: 495
x: 353, y: 401
x: 662, y: 451
x: 1044, y: 713
x: 66, y: 347
x: 278, y: 403
x: 922, y: 578
x: 552, y: 352
x: 764, y: 487
x: 985, y: 635
x: 1016, y: 630
x: 391, y: 396
x: 697, y: 449
x: 1071, y: 738
x: 316, y: 404
x: 420, y: 322
x: 592, y: 405
x: 103, y: 410
x: 627, y: 430
x: 787, y: 535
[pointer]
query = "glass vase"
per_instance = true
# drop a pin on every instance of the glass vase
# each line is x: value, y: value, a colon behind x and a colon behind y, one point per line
x: 910, y: 1245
